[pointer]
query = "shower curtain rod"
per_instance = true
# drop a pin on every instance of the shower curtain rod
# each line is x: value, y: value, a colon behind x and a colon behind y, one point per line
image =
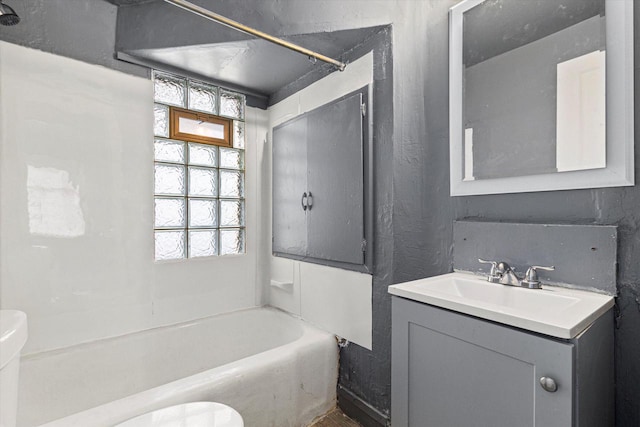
x: 205, y: 13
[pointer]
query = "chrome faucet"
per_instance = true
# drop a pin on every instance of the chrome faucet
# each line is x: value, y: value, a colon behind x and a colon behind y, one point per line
x: 502, y: 273
x: 509, y: 276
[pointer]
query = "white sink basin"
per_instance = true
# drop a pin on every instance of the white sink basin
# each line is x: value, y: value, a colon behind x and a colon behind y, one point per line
x: 558, y: 312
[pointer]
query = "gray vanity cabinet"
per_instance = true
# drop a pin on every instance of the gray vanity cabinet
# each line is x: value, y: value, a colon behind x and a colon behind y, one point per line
x: 454, y: 370
x: 319, y: 184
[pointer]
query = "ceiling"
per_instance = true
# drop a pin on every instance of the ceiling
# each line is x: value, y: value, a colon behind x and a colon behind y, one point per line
x: 256, y: 64
x: 240, y: 62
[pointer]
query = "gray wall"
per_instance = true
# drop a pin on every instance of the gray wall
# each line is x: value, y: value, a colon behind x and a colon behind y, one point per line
x: 79, y: 29
x: 415, y: 212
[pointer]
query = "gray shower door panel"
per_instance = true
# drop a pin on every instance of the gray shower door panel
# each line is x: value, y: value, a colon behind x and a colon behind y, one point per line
x: 335, y: 180
x: 289, y: 185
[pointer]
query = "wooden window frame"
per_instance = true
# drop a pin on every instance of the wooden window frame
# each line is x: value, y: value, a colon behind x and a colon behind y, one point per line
x: 176, y: 113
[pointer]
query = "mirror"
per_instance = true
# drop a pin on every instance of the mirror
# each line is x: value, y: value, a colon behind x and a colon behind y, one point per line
x: 541, y: 95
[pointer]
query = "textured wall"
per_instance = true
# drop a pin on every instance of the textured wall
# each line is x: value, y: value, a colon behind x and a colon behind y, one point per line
x: 79, y: 29
x: 363, y: 372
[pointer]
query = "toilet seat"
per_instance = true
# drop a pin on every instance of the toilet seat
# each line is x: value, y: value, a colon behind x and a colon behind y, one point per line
x: 193, y: 414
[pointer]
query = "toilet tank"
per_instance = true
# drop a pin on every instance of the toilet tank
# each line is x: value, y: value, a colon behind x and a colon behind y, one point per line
x: 13, y: 335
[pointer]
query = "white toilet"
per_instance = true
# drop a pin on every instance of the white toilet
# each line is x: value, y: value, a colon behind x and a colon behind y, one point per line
x: 13, y: 335
x: 193, y: 414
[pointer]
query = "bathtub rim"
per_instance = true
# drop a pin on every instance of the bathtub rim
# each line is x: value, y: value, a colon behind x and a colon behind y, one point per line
x: 139, y: 333
x: 159, y: 397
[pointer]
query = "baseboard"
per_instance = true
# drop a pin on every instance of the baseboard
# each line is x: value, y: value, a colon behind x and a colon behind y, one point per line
x: 359, y: 410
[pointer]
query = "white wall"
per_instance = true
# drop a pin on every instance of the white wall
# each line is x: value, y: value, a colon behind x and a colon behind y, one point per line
x: 76, y: 207
x: 336, y: 300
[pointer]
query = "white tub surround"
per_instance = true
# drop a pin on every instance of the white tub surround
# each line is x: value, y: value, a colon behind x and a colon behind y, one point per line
x: 76, y: 208
x: 273, y: 369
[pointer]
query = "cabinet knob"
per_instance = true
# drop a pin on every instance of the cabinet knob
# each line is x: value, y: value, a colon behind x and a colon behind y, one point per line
x: 549, y: 384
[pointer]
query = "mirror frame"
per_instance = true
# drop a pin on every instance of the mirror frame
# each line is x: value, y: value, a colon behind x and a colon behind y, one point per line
x: 619, y: 170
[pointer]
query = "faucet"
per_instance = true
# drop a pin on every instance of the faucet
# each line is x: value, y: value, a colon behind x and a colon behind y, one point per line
x: 508, y: 276
x: 503, y: 274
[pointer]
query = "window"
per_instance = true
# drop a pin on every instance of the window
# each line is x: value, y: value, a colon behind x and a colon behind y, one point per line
x: 198, y: 127
x: 199, y: 169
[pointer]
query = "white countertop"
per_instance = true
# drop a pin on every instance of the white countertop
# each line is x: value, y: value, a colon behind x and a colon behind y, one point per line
x: 555, y: 311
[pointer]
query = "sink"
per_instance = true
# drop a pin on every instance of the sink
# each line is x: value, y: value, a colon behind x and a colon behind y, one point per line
x: 552, y: 310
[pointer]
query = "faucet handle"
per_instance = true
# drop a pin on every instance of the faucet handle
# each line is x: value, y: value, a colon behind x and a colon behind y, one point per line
x: 494, y: 275
x: 531, y: 277
x: 538, y: 267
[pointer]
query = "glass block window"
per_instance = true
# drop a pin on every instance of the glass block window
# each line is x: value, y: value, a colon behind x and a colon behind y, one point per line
x: 199, y: 187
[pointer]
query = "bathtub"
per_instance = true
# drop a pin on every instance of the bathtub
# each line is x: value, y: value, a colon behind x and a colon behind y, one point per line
x: 272, y: 368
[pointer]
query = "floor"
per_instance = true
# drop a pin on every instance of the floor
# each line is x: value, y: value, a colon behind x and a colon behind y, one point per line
x: 335, y: 418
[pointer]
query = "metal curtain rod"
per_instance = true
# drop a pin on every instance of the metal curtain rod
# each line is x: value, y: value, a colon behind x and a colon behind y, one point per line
x: 205, y: 13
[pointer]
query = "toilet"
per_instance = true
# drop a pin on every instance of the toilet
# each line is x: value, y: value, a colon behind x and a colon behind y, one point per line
x: 13, y: 335
x: 193, y: 414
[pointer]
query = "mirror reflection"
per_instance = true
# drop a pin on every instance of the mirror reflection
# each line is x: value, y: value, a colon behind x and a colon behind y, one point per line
x: 534, y: 87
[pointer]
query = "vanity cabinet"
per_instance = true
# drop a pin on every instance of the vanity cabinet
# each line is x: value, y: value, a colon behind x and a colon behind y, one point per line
x: 320, y: 189
x: 453, y: 370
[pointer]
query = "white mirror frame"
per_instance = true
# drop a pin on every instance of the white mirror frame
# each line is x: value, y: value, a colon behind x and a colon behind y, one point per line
x: 619, y: 170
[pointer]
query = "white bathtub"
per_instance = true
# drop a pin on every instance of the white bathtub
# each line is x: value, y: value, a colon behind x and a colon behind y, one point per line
x: 273, y: 369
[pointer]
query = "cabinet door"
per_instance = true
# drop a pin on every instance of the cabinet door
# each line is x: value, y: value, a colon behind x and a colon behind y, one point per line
x: 453, y: 370
x: 289, y: 185
x: 336, y: 173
